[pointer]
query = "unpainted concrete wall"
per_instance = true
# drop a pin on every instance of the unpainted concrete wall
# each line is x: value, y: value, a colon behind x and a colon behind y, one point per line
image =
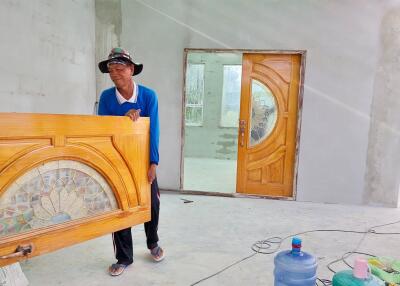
x: 342, y: 39
x: 108, y: 33
x: 46, y: 56
x: 383, y: 168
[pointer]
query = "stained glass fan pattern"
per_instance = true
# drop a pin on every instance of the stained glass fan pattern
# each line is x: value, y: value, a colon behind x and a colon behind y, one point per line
x: 263, y: 112
x: 53, y: 193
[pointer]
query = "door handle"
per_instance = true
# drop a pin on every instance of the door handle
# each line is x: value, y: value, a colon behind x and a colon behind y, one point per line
x: 242, y: 129
x: 22, y: 250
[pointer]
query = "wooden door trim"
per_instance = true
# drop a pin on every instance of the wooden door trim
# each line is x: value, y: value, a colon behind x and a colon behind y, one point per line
x: 299, y: 117
x: 219, y: 194
x: 242, y: 51
x: 182, y: 163
x: 303, y: 55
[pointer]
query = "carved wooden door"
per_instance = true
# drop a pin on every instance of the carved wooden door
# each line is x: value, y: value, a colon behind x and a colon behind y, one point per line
x: 268, y: 124
x: 65, y: 179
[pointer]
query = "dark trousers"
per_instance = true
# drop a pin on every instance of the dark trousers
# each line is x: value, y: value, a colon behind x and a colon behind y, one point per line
x: 123, y: 245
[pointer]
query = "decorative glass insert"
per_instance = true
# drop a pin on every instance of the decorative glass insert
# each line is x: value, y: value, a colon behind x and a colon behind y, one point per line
x: 53, y: 193
x: 194, y: 94
x: 263, y: 112
x: 230, y: 105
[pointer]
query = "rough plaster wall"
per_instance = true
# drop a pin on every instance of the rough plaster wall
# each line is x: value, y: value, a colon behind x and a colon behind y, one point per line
x: 155, y: 42
x: 108, y: 32
x: 210, y: 140
x: 341, y: 39
x: 383, y: 174
x: 46, y: 56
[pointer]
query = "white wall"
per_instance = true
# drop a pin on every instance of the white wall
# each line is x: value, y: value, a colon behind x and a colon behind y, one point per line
x: 342, y: 39
x: 47, y: 56
x: 383, y: 168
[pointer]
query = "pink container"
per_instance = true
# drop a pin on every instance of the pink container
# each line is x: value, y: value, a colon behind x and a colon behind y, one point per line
x: 361, y: 269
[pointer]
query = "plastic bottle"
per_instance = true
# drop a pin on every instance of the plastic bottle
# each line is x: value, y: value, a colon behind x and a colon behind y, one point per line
x: 295, y: 267
x: 359, y: 276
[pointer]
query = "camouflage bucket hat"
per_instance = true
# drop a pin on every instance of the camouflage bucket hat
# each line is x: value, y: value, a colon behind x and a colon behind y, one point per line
x: 121, y: 56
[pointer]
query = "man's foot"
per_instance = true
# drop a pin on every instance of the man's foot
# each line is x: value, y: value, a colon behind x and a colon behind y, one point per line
x: 157, y: 253
x: 116, y: 269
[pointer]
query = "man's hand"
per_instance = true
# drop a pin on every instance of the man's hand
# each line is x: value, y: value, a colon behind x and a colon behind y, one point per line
x: 151, y: 174
x: 133, y: 114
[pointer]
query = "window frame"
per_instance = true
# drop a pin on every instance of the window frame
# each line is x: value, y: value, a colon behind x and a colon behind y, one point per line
x: 195, y: 105
x: 221, y: 124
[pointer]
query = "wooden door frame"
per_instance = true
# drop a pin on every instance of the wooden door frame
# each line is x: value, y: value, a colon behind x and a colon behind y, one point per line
x: 303, y: 54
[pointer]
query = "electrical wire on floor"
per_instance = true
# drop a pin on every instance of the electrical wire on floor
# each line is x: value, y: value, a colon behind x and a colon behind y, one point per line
x: 343, y: 259
x: 355, y: 250
x: 266, y: 247
x: 324, y: 282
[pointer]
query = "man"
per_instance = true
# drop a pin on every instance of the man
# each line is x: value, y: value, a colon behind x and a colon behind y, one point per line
x: 130, y: 99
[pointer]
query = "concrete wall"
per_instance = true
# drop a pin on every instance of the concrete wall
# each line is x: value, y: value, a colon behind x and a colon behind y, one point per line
x: 342, y: 39
x: 46, y: 56
x: 108, y: 33
x: 383, y: 172
x: 211, y: 140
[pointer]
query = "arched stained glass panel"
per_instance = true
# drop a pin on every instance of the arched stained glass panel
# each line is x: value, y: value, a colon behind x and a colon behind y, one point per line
x: 53, y: 193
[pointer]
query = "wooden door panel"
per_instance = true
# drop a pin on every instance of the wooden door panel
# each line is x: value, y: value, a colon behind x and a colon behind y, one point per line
x: 278, y: 154
x: 65, y: 179
x: 12, y: 149
x: 266, y: 164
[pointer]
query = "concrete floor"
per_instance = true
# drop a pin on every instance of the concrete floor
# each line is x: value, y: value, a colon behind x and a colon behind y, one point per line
x: 203, y: 237
x: 209, y: 175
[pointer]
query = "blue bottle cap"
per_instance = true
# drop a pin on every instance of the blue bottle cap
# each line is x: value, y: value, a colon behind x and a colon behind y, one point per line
x: 296, y: 241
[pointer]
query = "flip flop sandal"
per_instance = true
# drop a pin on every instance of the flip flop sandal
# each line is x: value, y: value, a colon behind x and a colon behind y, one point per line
x: 157, y: 253
x: 116, y: 269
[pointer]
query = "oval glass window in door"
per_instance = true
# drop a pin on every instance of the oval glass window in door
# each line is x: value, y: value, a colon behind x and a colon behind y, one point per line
x: 263, y: 112
x: 53, y: 193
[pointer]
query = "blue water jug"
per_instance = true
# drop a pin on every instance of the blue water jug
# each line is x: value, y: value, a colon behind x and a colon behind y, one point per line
x: 295, y: 267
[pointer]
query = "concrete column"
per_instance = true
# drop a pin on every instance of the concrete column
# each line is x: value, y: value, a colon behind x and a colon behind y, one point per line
x: 383, y: 162
x: 108, y: 33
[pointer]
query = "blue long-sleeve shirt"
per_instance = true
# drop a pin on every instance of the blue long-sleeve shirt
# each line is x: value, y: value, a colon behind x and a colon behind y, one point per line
x: 146, y: 101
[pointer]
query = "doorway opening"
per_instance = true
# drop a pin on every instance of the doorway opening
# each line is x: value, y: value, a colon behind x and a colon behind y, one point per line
x: 212, y: 105
x: 241, y: 121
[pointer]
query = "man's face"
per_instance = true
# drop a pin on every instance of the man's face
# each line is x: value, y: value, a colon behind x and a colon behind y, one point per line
x: 120, y: 74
